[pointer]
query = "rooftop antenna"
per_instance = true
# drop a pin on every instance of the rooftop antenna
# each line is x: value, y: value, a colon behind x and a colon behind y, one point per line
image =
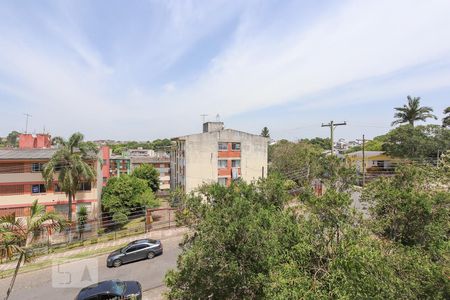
x: 203, y: 117
x: 26, y: 122
x: 217, y: 118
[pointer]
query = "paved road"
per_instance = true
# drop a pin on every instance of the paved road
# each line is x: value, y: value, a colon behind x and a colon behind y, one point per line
x: 41, y: 284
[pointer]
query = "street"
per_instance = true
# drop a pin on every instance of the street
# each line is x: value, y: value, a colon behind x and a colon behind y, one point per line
x: 41, y: 284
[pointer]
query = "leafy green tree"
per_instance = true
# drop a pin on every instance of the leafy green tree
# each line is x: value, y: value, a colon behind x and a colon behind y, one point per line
x: 127, y: 195
x: 411, y: 208
x: 412, y: 112
x: 23, y: 231
x: 446, y: 120
x: 420, y: 142
x: 242, y: 246
x: 296, y: 161
x: 336, y: 174
x: 13, y: 138
x: 149, y: 174
x: 72, y: 165
x: 119, y: 219
x: 323, y: 143
x: 265, y: 132
x: 161, y: 145
x: 82, y: 218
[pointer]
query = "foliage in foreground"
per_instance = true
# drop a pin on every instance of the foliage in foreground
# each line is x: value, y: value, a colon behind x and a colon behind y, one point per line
x: 413, y: 208
x: 126, y: 196
x: 246, y: 245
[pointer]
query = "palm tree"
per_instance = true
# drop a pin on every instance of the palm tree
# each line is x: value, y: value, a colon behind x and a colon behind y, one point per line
x: 24, y: 232
x: 70, y: 165
x: 412, y: 112
x: 446, y: 120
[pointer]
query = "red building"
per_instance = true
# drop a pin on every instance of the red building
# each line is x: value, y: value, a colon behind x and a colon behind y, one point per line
x: 21, y: 181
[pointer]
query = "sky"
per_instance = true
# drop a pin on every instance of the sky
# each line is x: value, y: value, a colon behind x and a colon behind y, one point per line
x: 141, y: 70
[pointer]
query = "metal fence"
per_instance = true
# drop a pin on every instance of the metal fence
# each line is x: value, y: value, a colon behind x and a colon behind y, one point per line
x: 103, y: 230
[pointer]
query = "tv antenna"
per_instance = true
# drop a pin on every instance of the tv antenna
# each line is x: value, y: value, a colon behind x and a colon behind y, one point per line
x: 26, y: 122
x: 203, y: 117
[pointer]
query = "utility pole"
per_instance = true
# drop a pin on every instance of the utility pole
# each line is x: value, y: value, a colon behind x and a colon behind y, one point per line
x: 332, y: 126
x: 363, y: 162
x: 26, y: 122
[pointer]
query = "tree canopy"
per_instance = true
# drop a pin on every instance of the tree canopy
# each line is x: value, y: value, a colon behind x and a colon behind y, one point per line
x: 446, y: 120
x: 323, y: 143
x: 158, y: 145
x: 265, y: 132
x: 127, y: 196
x: 420, y: 142
x: 245, y: 245
x: 148, y: 173
x: 296, y: 161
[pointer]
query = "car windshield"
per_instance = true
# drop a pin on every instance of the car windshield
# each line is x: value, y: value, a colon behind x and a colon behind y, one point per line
x: 118, y: 287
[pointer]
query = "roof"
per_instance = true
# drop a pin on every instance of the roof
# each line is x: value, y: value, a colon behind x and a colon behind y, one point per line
x: 10, y: 154
x: 148, y: 159
x: 184, y: 137
x: 366, y: 153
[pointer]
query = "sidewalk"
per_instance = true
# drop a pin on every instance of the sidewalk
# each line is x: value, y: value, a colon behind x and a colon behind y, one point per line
x: 157, y: 234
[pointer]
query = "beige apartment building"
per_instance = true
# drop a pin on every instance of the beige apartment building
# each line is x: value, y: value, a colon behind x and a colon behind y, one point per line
x: 217, y: 155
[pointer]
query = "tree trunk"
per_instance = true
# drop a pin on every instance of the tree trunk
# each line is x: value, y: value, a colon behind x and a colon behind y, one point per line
x: 13, y: 279
x: 69, y: 217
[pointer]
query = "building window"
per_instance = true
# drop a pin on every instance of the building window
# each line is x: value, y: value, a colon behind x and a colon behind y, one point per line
x: 379, y: 163
x: 236, y: 146
x: 222, y: 181
x: 223, y: 146
x: 222, y: 164
x: 37, y: 167
x: 236, y: 163
x: 85, y: 186
x: 58, y: 167
x: 38, y: 188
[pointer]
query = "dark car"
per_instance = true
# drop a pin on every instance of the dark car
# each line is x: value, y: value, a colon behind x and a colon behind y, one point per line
x: 135, y: 250
x: 111, y: 289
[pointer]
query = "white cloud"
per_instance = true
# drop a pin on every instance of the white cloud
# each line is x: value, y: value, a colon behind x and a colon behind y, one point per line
x: 266, y: 63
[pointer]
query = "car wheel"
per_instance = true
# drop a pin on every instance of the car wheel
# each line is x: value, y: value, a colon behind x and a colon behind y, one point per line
x: 150, y: 255
x: 117, y: 263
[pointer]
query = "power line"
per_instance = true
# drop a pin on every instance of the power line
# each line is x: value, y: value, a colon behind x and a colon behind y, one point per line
x: 332, y: 126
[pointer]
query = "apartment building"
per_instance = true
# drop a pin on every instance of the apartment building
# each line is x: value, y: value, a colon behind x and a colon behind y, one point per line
x: 115, y: 165
x: 160, y: 160
x: 21, y: 181
x: 217, y: 155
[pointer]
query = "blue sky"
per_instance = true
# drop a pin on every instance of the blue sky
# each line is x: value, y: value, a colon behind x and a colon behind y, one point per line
x: 148, y: 69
